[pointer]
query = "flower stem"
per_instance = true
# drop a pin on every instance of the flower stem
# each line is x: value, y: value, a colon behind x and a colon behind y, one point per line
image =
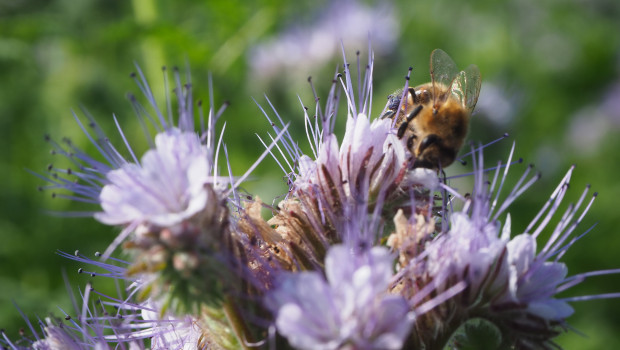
x: 236, y: 322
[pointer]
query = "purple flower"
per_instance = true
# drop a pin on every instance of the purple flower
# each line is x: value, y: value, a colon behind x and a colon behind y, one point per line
x: 57, y: 338
x: 350, y: 307
x: 508, y: 281
x: 370, y: 159
x: 172, y: 183
x: 110, y: 322
x: 303, y: 48
x: 533, y: 281
x: 166, y: 188
x: 318, y: 265
x: 369, y: 170
x: 170, y: 332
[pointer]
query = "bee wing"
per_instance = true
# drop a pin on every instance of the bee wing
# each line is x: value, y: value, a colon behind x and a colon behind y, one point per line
x: 466, y: 87
x: 472, y: 86
x: 443, y: 72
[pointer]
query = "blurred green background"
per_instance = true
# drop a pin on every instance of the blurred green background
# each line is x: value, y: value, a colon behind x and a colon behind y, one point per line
x: 551, y: 78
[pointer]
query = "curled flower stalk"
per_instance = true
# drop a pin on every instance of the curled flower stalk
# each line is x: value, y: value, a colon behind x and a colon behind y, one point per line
x: 366, y: 250
x: 510, y: 284
x: 367, y: 174
x: 172, y: 205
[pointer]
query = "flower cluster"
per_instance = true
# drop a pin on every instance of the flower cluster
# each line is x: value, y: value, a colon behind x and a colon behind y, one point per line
x: 365, y: 251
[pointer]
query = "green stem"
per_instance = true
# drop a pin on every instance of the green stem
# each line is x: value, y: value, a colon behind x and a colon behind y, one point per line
x: 236, y: 322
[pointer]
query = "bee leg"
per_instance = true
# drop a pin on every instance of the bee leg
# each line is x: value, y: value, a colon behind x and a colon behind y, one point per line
x: 414, y: 113
x: 388, y: 114
x: 414, y: 96
x: 403, y: 127
x: 401, y: 130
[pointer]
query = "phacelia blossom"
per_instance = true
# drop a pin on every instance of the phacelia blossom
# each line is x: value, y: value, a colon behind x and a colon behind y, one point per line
x: 170, y: 332
x: 509, y: 282
x: 335, y: 186
x: 317, y: 272
x: 57, y: 338
x: 101, y: 321
x: 304, y: 48
x: 172, y: 204
x: 84, y: 329
x: 369, y: 170
x: 168, y: 187
x: 350, y: 307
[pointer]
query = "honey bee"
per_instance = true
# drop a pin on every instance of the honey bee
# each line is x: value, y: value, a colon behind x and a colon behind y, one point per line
x: 434, y: 117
